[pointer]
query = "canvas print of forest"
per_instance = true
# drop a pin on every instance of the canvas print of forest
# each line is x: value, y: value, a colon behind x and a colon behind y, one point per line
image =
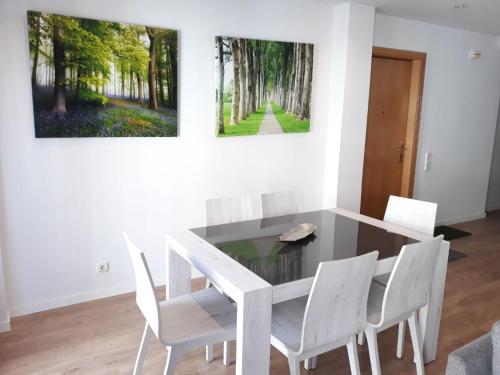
x: 102, y: 79
x: 262, y: 87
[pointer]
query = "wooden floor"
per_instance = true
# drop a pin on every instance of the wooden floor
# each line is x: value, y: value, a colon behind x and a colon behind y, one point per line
x: 102, y: 337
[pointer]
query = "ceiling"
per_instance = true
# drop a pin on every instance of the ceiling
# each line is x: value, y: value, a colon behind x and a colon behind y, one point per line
x: 479, y: 15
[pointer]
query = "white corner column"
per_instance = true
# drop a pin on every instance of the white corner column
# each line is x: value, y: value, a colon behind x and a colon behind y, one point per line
x: 353, y: 27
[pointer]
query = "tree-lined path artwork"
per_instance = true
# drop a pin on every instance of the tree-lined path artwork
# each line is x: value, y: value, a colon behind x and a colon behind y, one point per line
x: 95, y: 78
x: 262, y: 87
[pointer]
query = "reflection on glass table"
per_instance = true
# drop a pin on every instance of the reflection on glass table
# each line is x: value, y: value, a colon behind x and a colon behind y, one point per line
x: 255, y: 243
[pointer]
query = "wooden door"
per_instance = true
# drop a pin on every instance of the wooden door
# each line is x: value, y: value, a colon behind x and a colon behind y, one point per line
x: 388, y: 110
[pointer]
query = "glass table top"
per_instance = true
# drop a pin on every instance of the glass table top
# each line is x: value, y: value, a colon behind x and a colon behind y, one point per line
x: 255, y: 243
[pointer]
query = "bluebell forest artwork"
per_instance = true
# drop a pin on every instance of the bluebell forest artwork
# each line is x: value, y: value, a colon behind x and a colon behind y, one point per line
x: 94, y: 78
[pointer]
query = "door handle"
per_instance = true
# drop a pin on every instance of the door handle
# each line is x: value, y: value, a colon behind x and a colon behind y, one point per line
x: 401, y: 148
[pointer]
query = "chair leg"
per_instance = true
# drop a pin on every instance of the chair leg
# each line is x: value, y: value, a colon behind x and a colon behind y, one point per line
x: 143, y: 349
x: 294, y: 364
x: 227, y: 353
x: 311, y: 363
x: 172, y: 358
x: 209, y: 353
x: 417, y: 343
x: 352, y: 350
x: 361, y: 338
x: 401, y: 339
x: 371, y: 338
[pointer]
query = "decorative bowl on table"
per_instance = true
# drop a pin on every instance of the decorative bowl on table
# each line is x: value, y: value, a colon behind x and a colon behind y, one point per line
x: 298, y: 232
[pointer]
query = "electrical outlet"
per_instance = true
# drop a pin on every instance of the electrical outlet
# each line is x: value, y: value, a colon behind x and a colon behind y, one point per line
x: 427, y: 161
x: 103, y: 267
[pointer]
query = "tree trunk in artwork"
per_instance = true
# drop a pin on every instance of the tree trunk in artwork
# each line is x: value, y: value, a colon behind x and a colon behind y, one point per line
x: 160, y: 77
x: 172, y: 50
x: 306, y: 92
x: 285, y: 74
x: 291, y: 79
x: 220, y: 89
x: 235, y: 105
x: 131, y: 83
x: 160, y: 86
x: 243, y: 80
x: 255, y: 84
x: 59, y: 97
x: 122, y: 75
x: 78, y: 80
x: 262, y: 86
x: 296, y: 78
x: 250, y: 77
x: 168, y: 76
x: 103, y: 84
x: 36, y: 51
x: 258, y: 47
x: 298, y: 81
x: 140, y: 94
x: 153, y: 98
x: 302, y: 64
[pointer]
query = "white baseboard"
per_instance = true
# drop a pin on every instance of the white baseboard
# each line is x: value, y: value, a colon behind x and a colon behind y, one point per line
x: 73, y: 299
x: 87, y: 296
x: 462, y: 219
x: 5, y: 325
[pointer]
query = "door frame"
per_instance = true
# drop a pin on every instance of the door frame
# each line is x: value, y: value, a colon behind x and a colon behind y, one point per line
x: 418, y: 60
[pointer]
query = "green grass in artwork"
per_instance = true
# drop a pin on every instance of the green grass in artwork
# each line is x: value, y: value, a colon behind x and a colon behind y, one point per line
x: 249, y: 126
x: 288, y: 122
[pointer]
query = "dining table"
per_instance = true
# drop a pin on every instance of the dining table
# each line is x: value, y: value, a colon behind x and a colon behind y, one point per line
x: 249, y: 263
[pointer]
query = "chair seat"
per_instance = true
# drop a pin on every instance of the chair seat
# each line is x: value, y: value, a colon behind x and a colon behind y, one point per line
x: 202, y: 316
x: 375, y: 299
x: 287, y: 322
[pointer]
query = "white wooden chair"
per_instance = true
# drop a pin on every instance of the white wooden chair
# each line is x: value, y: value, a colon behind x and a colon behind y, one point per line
x: 416, y: 215
x: 224, y: 211
x: 228, y: 210
x: 181, y: 324
x: 332, y: 315
x: 411, y: 213
x: 407, y: 291
x: 278, y: 204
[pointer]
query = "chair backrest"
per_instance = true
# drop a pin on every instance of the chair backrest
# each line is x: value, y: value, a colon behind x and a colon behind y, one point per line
x: 410, y: 280
x: 411, y: 213
x: 278, y: 204
x: 337, y: 304
x: 228, y: 210
x: 145, y: 292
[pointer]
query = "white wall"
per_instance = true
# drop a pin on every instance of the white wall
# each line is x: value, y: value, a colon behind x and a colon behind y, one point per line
x: 67, y: 200
x: 459, y: 112
x: 493, y: 199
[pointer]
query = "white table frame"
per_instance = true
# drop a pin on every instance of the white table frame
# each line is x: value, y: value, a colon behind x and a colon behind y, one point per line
x: 254, y: 296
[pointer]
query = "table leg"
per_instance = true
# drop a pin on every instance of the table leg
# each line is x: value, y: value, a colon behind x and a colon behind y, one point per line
x: 430, y: 316
x: 178, y: 270
x: 253, y: 338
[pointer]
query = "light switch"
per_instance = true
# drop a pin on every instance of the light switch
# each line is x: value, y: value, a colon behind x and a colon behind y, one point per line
x: 427, y: 161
